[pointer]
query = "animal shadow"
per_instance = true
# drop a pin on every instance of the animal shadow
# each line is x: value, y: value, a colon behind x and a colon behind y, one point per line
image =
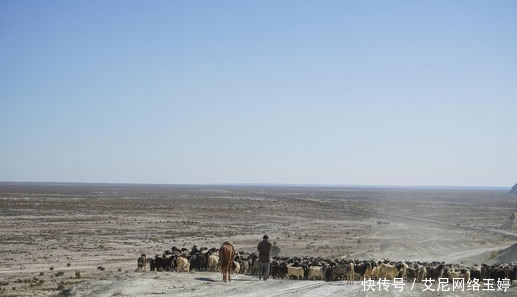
x: 205, y: 279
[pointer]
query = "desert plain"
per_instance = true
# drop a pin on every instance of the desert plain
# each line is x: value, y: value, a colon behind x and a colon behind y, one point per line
x: 84, y: 239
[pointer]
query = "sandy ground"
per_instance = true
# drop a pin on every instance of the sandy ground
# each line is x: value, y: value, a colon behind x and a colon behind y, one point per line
x: 83, y: 240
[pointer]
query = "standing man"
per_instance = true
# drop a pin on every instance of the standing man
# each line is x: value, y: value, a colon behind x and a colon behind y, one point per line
x: 264, y: 248
x: 275, y: 250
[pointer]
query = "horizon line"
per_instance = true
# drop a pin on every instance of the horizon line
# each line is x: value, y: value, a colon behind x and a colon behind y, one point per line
x: 257, y: 184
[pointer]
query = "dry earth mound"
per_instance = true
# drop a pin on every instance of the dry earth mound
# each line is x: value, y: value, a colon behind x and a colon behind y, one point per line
x: 514, y: 189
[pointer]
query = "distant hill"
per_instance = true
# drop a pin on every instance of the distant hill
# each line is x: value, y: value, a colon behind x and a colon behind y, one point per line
x: 507, y: 255
x: 514, y: 189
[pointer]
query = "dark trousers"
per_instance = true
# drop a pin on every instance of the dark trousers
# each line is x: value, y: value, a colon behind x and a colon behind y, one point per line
x: 263, y: 270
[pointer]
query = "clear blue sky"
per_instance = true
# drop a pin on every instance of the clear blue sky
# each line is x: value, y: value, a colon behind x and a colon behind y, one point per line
x: 306, y: 92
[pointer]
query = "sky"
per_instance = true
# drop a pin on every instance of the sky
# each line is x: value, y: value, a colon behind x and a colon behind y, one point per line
x: 416, y: 93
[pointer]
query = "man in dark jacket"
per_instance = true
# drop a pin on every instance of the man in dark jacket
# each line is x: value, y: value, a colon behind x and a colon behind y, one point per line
x: 264, y: 248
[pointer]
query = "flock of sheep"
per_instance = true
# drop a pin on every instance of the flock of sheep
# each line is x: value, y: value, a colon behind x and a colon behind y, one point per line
x: 318, y: 268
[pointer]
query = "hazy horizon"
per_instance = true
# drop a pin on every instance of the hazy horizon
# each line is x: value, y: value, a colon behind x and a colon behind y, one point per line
x: 392, y: 93
x: 279, y: 185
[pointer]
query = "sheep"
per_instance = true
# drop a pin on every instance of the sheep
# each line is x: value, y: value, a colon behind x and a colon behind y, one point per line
x: 278, y: 270
x: 245, y: 266
x: 466, y: 274
x: 452, y: 274
x: 375, y: 273
x: 370, y: 270
x: 402, y: 267
x: 316, y: 268
x: 196, y: 262
x: 350, y: 272
x: 499, y: 272
x: 362, y: 269
x: 295, y: 272
x: 337, y: 272
x: 436, y: 271
x: 236, y: 267
x: 387, y: 271
x: 213, y: 261
x: 340, y: 271
x: 422, y: 273
x: 182, y: 264
x: 412, y: 274
x: 476, y: 272
x: 162, y: 263
x: 316, y: 272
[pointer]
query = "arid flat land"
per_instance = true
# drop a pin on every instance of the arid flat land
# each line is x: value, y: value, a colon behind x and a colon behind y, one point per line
x: 55, y: 236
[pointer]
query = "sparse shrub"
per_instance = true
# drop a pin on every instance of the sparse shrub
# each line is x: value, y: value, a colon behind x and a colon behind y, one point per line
x: 51, y: 268
x: 101, y: 268
x: 68, y: 264
x: 65, y: 293
x: 61, y: 286
x: 494, y: 254
x: 78, y: 274
x: 60, y: 273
